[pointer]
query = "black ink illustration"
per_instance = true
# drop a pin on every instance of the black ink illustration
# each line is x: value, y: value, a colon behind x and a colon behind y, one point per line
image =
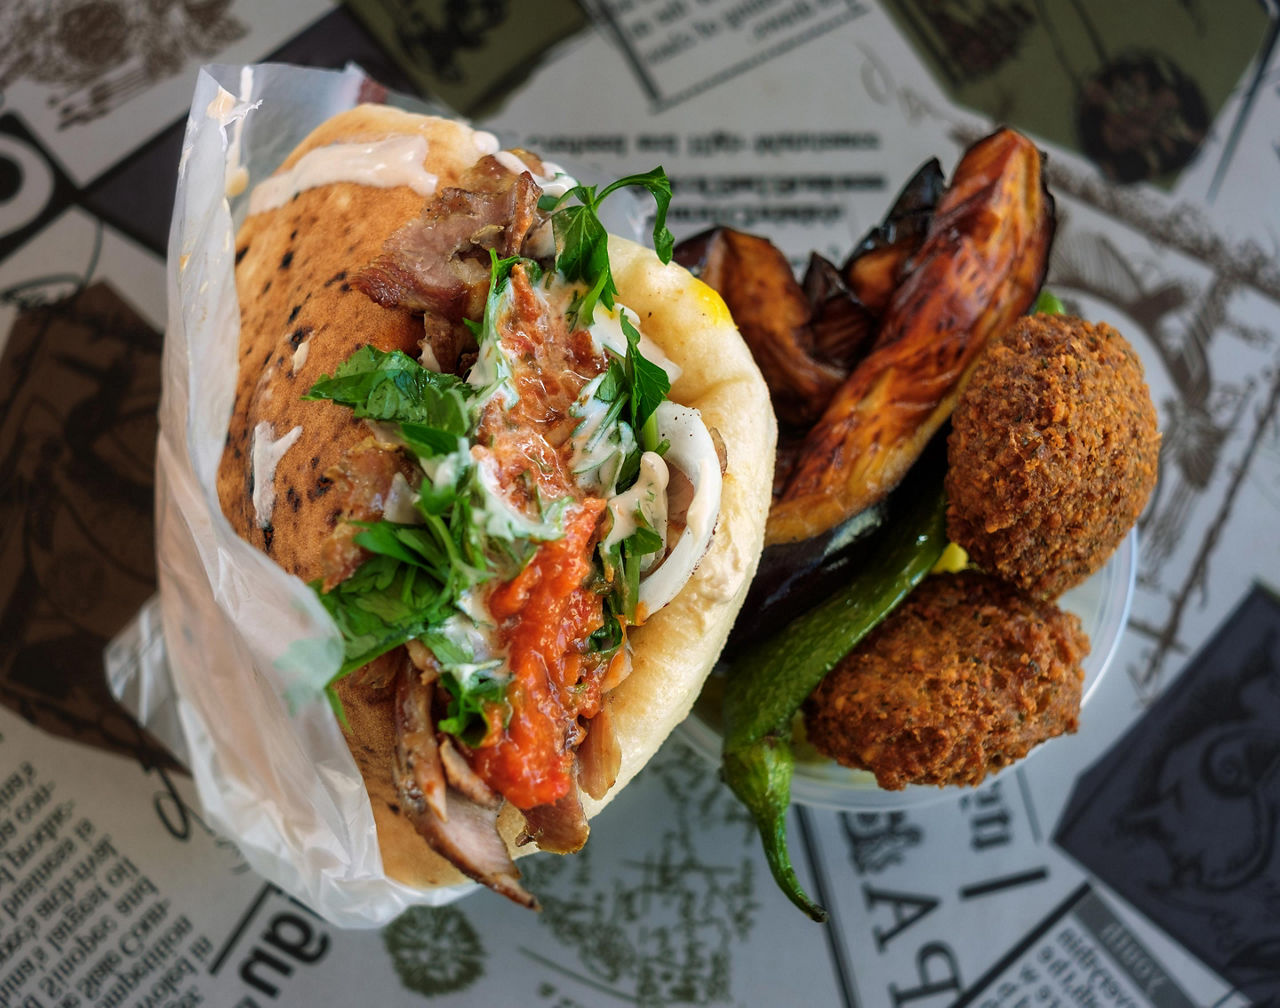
x: 80, y: 383
x: 1227, y: 768
x: 1181, y: 816
x: 665, y: 931
x: 1140, y: 116
x: 879, y: 839
x: 447, y: 48
x: 434, y: 950
x: 33, y: 189
x: 437, y: 38
x: 94, y: 55
x: 969, y: 41
x: 1135, y: 88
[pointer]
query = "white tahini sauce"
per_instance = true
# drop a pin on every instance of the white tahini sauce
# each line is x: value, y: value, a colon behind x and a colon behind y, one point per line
x: 556, y: 182
x: 399, y: 504
x: 300, y: 355
x: 486, y: 142
x: 606, y: 333
x: 597, y: 451
x: 220, y: 105
x: 237, y: 173
x: 646, y: 499
x: 393, y: 161
x: 230, y: 112
x: 268, y: 450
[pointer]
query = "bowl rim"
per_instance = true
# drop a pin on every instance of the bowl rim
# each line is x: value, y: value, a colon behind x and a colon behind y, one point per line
x: 825, y: 784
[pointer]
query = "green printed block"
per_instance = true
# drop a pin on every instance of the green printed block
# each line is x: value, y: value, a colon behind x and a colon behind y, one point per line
x: 470, y: 54
x: 1134, y: 86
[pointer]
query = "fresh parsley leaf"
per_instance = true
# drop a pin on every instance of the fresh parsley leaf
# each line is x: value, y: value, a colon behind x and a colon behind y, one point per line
x: 632, y: 387
x: 428, y: 442
x: 643, y: 541
x: 433, y: 409
x: 622, y: 562
x: 583, y: 243
x: 431, y: 546
x: 610, y: 636
x: 382, y: 605
x: 477, y: 690
x: 405, y: 590
x: 649, y: 386
x: 492, y: 371
x: 611, y: 389
x: 659, y: 187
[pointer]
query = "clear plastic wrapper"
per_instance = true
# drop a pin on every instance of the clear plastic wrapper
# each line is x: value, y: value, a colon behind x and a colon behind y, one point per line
x: 250, y: 647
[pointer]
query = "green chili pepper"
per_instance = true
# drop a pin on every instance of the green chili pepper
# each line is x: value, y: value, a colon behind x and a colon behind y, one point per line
x: 765, y: 688
x: 1047, y: 303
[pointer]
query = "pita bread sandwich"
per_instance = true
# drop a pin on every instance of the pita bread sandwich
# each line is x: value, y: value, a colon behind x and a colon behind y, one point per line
x: 525, y: 464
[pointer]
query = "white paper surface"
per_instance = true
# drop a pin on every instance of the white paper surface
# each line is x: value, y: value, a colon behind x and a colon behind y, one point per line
x: 670, y: 902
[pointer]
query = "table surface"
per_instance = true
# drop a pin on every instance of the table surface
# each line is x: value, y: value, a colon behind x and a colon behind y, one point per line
x: 1134, y: 862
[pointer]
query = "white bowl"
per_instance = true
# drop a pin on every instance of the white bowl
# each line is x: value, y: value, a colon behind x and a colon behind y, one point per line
x: 1102, y: 603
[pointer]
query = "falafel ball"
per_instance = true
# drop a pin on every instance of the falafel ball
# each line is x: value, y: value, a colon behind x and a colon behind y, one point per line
x: 963, y: 678
x: 1052, y: 453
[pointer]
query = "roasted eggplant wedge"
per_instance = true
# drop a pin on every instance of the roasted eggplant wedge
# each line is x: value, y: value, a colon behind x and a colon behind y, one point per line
x: 843, y: 328
x: 981, y: 264
x: 878, y: 262
x: 774, y: 314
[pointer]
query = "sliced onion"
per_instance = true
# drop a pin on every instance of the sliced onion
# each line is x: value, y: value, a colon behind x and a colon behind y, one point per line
x: 693, y: 452
x: 399, y: 505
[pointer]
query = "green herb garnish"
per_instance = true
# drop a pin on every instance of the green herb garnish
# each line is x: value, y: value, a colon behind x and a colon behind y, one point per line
x: 475, y: 691
x: 648, y: 386
x: 1047, y: 303
x: 433, y: 409
x: 622, y: 562
x: 583, y: 243
x: 411, y: 585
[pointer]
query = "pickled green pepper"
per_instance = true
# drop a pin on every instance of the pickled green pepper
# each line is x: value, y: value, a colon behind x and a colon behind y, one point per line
x: 766, y: 687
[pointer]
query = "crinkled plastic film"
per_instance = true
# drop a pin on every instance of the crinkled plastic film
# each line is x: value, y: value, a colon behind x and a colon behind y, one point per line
x: 249, y: 646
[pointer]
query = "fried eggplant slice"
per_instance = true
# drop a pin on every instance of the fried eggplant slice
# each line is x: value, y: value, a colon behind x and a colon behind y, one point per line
x: 877, y: 264
x: 772, y: 313
x: 980, y: 267
x: 843, y: 327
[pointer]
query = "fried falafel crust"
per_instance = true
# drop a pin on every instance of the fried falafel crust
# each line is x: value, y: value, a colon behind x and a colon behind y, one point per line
x: 1052, y: 454
x: 963, y: 678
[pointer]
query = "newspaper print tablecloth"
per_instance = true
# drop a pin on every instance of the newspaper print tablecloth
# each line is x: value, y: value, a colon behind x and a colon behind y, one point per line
x: 1134, y: 863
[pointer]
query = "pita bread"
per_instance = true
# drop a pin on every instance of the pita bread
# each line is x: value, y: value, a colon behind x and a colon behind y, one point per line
x: 300, y: 319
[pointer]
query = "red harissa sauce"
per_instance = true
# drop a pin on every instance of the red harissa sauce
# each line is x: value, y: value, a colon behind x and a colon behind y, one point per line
x: 546, y: 616
x: 546, y: 612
